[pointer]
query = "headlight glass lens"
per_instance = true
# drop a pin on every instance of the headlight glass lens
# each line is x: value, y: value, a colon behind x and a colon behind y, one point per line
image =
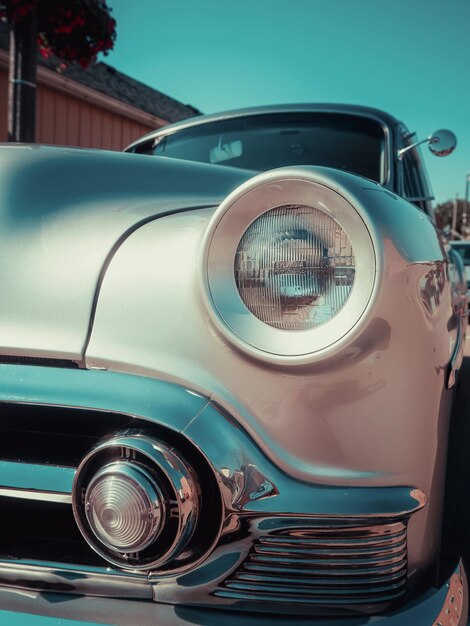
x: 294, y: 267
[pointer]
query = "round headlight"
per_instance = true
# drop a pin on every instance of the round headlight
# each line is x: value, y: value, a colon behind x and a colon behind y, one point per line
x: 289, y: 267
x: 294, y: 267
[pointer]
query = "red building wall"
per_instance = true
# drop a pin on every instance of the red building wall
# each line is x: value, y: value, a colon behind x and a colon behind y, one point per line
x: 67, y: 119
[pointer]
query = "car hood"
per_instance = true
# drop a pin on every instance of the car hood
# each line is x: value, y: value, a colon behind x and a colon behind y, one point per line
x: 63, y: 212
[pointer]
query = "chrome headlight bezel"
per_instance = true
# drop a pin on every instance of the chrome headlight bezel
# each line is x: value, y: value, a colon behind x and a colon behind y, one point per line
x: 225, y: 231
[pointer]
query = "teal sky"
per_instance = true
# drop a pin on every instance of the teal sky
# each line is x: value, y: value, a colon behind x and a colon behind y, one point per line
x: 408, y: 57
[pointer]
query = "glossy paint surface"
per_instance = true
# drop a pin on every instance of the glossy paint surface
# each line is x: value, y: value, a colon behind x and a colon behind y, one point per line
x: 168, y: 333
x: 114, y: 268
x: 65, y: 210
x: 315, y: 420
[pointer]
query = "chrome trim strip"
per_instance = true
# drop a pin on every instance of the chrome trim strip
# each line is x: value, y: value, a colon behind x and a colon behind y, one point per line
x: 243, y: 472
x: 345, y: 595
x: 62, y: 577
x: 271, y: 595
x: 33, y: 481
x: 334, y: 545
x: 153, y: 400
x: 83, y: 570
x: 319, y: 581
x: 457, y: 356
x: 419, y: 198
x: 329, y: 564
x: 303, y: 570
x: 285, y: 575
x: 337, y: 555
x: 358, y: 573
x: 42, y: 496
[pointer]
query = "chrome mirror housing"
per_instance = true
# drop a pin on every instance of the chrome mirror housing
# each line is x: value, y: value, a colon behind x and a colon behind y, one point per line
x: 441, y: 143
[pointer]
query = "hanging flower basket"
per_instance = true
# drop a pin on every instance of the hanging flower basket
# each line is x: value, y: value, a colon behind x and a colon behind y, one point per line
x: 71, y: 30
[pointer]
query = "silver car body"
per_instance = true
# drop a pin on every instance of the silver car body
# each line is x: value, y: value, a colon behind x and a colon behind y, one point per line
x: 107, y: 310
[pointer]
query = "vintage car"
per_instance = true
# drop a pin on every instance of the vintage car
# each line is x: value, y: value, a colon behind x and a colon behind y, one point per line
x: 227, y: 371
x: 462, y: 247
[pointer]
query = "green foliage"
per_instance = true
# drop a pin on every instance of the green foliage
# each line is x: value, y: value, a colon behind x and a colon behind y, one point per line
x: 444, y: 214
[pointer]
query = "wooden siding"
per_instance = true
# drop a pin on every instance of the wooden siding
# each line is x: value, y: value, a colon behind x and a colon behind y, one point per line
x: 65, y: 120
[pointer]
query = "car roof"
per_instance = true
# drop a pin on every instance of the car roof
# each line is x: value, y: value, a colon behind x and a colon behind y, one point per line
x: 383, y: 118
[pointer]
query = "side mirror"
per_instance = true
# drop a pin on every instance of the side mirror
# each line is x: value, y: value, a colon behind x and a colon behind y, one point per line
x: 442, y: 142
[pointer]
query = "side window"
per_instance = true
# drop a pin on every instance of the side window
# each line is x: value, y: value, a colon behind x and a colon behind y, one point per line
x: 412, y: 182
x: 415, y: 185
x: 144, y: 148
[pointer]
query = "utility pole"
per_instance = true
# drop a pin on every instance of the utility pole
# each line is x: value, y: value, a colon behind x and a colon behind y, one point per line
x: 454, y: 214
x: 22, y: 79
x: 465, y: 228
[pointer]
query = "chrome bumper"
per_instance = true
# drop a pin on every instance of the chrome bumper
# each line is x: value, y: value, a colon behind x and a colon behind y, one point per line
x: 447, y: 606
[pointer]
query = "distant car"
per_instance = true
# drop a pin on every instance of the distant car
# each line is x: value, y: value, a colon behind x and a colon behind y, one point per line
x: 463, y: 249
x: 227, y: 376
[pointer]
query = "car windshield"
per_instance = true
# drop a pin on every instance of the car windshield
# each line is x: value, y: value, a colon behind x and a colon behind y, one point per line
x: 262, y: 142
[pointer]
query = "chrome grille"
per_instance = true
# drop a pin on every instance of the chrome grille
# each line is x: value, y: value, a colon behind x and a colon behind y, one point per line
x: 335, y: 566
x: 40, y: 450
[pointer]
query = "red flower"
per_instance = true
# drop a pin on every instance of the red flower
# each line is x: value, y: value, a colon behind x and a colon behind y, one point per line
x: 68, y: 29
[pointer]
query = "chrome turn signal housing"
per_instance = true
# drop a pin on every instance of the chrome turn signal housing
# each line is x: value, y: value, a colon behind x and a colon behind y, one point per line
x: 124, y: 507
x: 136, y: 501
